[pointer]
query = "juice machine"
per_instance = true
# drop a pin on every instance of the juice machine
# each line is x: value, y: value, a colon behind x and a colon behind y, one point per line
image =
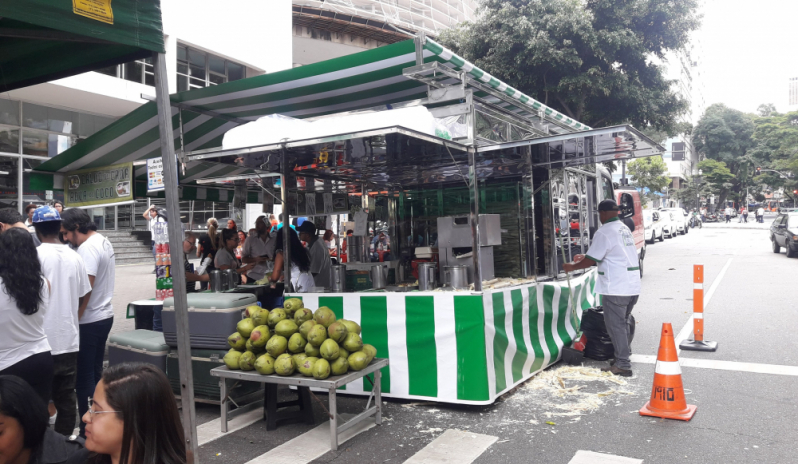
x: 455, y: 243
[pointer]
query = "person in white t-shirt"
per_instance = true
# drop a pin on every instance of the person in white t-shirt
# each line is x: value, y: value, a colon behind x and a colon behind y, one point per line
x: 152, y: 217
x: 613, y: 251
x: 24, y: 297
x: 69, y: 284
x: 96, y: 315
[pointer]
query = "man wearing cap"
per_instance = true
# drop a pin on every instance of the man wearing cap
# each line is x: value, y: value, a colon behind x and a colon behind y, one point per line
x: 320, y: 264
x: 613, y: 251
x: 69, y: 285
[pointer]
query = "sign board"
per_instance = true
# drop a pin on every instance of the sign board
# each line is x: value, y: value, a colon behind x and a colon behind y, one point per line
x: 155, y: 175
x: 317, y: 204
x: 99, y: 186
x: 48, y: 194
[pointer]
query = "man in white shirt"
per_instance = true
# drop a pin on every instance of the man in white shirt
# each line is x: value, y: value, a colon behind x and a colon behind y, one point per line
x: 729, y: 211
x: 69, y: 285
x: 613, y: 251
x: 760, y: 214
x: 259, y: 250
x: 320, y: 264
x: 96, y: 314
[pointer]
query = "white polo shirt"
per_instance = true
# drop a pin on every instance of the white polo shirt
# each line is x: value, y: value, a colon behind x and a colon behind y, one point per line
x: 614, y: 251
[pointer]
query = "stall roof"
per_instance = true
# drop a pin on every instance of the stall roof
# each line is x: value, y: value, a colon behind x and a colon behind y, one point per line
x: 368, y: 79
x: 44, y: 40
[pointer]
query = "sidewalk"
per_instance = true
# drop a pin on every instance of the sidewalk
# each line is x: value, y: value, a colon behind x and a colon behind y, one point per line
x: 132, y: 282
x: 736, y: 225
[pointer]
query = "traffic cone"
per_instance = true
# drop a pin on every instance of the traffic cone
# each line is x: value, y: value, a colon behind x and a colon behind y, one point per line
x: 667, y: 394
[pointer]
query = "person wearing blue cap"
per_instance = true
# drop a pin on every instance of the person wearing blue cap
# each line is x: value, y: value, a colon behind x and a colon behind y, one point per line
x: 69, y: 284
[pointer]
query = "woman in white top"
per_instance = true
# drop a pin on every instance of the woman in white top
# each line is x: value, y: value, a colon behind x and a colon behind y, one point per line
x: 301, y: 279
x: 24, y: 349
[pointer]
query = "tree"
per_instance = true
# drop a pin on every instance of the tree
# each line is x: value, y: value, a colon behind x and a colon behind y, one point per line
x: 650, y: 174
x: 717, y: 177
x: 694, y: 189
x: 776, y: 138
x: 595, y: 61
x: 725, y: 135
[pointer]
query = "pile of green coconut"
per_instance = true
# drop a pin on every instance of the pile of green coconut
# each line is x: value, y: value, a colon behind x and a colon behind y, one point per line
x: 294, y: 338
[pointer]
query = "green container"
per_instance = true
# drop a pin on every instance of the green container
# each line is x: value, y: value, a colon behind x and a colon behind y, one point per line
x: 138, y: 346
x: 358, y: 281
x: 206, y: 387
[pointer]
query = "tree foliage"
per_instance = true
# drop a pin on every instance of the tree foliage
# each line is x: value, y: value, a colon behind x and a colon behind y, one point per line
x: 693, y: 190
x: 776, y: 138
x: 649, y: 173
x: 594, y: 60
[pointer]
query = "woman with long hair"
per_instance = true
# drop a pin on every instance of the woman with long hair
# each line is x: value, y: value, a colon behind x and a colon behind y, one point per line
x: 24, y: 435
x: 133, y: 419
x: 208, y: 244
x: 301, y: 279
x: 24, y: 295
x: 225, y: 257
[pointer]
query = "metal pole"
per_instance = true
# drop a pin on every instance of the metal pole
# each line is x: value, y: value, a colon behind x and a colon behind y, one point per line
x: 176, y: 249
x: 474, y: 218
x: 286, y: 223
x: 419, y: 42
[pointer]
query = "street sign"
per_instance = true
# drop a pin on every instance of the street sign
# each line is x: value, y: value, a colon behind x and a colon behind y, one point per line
x: 48, y: 194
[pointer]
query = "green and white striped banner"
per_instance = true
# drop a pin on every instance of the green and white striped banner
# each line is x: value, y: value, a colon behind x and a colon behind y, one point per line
x: 465, y: 348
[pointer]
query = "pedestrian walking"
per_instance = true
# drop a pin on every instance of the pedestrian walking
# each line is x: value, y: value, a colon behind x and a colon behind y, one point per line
x: 745, y: 215
x: 24, y: 297
x: 613, y: 251
x: 152, y: 217
x: 760, y: 215
x: 69, y: 284
x: 96, y: 314
x: 728, y: 213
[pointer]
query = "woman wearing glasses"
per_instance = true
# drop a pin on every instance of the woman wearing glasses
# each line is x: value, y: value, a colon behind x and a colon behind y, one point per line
x: 225, y: 257
x: 132, y: 419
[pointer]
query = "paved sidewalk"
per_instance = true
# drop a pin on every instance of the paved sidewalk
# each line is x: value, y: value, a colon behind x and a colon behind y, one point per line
x: 737, y: 225
x: 133, y: 282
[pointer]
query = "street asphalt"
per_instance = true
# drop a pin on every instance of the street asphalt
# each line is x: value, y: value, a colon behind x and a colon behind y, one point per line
x: 742, y: 416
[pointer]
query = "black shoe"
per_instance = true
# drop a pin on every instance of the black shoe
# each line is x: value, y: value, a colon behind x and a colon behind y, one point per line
x: 615, y: 370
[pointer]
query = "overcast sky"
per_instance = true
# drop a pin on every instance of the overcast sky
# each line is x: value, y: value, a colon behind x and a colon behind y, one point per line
x: 750, y: 49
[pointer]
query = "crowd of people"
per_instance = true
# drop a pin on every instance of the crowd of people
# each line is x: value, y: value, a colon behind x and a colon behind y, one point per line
x: 57, y: 275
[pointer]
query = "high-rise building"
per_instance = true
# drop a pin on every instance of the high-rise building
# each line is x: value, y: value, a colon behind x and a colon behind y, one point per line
x: 793, y: 93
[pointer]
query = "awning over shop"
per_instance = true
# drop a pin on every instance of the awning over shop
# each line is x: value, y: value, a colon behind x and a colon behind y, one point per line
x: 370, y: 79
x: 44, y: 40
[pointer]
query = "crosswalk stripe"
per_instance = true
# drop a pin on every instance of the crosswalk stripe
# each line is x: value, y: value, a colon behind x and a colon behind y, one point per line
x: 589, y: 457
x: 211, y: 430
x: 310, y: 445
x: 453, y: 446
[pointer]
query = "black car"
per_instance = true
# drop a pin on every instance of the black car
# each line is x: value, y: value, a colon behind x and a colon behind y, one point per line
x: 784, y: 233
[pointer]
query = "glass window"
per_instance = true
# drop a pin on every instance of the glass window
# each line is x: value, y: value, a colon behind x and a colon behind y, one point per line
x: 196, y: 58
x: 133, y: 71
x: 109, y: 71
x: 216, y: 79
x: 62, y: 121
x: 216, y: 64
x: 235, y: 71
x: 37, y: 143
x: 9, y: 140
x: 34, y: 116
x: 38, y: 197
x: 8, y: 181
x: 9, y: 112
x: 182, y: 53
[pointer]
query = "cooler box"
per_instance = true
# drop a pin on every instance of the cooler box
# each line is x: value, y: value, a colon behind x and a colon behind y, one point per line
x: 212, y: 317
x: 138, y: 346
x: 206, y: 388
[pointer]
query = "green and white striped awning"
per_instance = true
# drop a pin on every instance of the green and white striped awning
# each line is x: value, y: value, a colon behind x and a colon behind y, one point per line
x: 363, y: 80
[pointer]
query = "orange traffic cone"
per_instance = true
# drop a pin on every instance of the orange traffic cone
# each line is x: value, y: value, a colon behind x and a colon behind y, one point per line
x: 667, y: 394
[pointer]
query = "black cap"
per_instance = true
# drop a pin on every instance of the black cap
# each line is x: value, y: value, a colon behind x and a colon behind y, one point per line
x: 608, y: 205
x: 307, y: 227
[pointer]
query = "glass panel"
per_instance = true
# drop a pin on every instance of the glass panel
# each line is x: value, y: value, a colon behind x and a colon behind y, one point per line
x: 110, y: 218
x: 217, y: 79
x: 182, y: 83
x: 8, y: 181
x: 196, y: 83
x: 87, y: 125
x: 9, y: 112
x: 98, y: 216
x: 42, y: 144
x: 196, y: 58
x: 9, y: 140
x: 102, y: 122
x: 62, y: 121
x: 182, y: 53
x: 109, y: 71
x: 124, y: 213
x: 133, y: 71
x: 182, y: 68
x: 234, y: 71
x: 37, y: 197
x: 34, y: 116
x: 149, y: 78
x: 216, y: 64
x: 197, y: 71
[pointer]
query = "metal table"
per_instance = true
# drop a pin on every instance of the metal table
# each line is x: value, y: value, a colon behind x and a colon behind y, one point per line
x: 330, y: 384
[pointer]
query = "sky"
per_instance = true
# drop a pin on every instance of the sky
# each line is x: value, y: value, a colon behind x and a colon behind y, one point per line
x: 749, y: 49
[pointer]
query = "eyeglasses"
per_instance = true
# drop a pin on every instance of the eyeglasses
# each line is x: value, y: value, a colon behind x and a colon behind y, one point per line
x: 92, y: 412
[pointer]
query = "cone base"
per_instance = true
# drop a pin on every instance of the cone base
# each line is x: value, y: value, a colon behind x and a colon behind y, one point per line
x: 681, y: 415
x: 692, y: 345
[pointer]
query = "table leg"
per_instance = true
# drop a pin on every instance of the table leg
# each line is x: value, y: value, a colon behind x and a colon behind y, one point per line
x: 378, y: 396
x: 333, y: 420
x: 224, y: 401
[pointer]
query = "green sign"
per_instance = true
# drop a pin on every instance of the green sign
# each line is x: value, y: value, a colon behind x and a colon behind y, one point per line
x: 100, y: 186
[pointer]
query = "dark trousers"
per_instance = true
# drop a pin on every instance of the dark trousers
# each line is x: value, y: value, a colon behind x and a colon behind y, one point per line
x: 728, y: 219
x: 65, y: 371
x: 617, y: 310
x: 90, y: 362
x: 37, y: 370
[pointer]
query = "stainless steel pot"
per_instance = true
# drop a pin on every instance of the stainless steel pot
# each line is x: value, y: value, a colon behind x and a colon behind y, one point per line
x: 229, y: 279
x: 427, y: 276
x: 379, y: 276
x: 455, y: 277
x: 339, y: 278
x: 216, y: 280
x: 357, y: 249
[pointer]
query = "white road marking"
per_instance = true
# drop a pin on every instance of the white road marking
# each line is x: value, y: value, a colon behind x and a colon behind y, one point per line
x: 212, y: 430
x: 775, y: 369
x: 310, y: 445
x: 688, y: 327
x: 589, y: 457
x: 453, y: 446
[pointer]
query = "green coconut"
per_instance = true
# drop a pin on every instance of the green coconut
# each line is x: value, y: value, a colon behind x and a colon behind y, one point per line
x: 304, y: 329
x: 276, y: 315
x: 353, y: 342
x: 286, y: 328
x: 302, y: 315
x: 247, y: 361
x: 261, y: 317
x: 260, y: 335
x: 317, y: 335
x: 276, y: 345
x: 337, y: 331
x: 245, y: 327
x: 284, y: 366
x: 324, y: 316
x: 237, y: 342
x: 358, y: 360
x: 311, y: 350
x: 339, y: 366
x: 307, y: 365
x: 321, y: 369
x: 351, y: 326
x: 297, y: 343
x: 231, y: 359
x: 265, y: 364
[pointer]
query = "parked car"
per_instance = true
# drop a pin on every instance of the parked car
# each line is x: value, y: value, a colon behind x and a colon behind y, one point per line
x: 631, y: 214
x: 653, y: 225
x: 784, y: 233
x: 680, y: 219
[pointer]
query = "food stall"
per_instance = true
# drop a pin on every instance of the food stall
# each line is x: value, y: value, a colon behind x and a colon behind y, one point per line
x: 466, y: 175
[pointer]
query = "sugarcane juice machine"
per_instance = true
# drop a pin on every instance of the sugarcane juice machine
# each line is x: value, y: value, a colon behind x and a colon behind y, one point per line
x: 455, y: 243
